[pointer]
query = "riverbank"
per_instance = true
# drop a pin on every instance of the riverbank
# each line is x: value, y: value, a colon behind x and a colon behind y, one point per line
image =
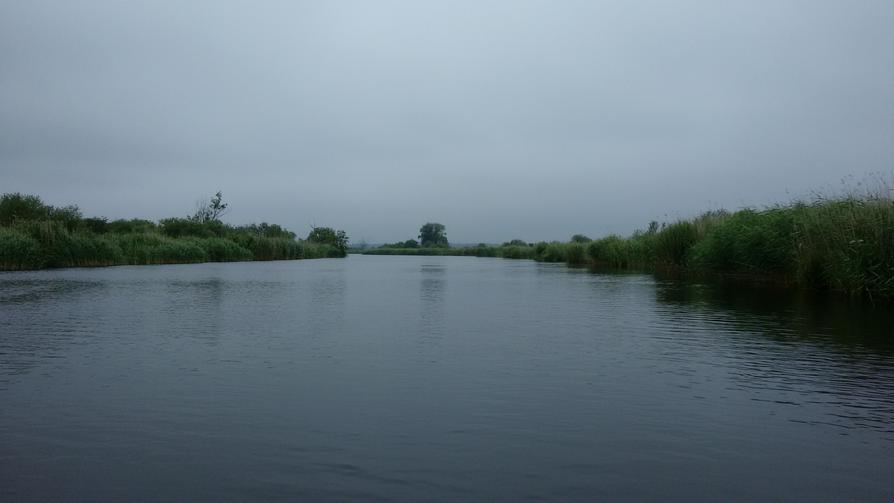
x: 34, y: 235
x: 844, y: 245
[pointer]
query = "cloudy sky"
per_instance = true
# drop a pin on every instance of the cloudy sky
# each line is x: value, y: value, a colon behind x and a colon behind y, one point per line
x: 499, y: 119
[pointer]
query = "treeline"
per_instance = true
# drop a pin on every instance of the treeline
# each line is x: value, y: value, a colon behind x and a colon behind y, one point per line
x: 35, y: 235
x: 844, y: 244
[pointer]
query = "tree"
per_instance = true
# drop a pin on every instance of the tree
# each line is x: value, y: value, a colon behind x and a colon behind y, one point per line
x: 19, y: 206
x: 98, y: 225
x: 210, y: 211
x: 433, y: 234
x: 580, y: 238
x: 329, y: 236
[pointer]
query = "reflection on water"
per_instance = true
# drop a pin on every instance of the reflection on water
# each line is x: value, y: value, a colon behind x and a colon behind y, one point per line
x: 24, y: 340
x: 22, y: 291
x: 828, y: 360
x: 444, y: 378
x: 432, y: 286
x: 823, y: 319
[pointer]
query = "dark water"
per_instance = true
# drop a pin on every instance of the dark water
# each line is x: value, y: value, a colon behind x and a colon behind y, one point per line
x: 435, y: 378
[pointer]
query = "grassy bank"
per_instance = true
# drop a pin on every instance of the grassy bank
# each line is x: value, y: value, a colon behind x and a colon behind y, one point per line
x: 844, y: 244
x: 34, y: 235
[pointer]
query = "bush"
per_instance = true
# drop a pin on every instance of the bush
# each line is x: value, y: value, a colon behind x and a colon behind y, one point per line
x: 517, y: 251
x: 847, y: 245
x: 17, y: 207
x: 135, y: 225
x: 749, y: 241
x: 177, y: 252
x: 18, y: 251
x: 575, y: 253
x: 611, y: 251
x: 183, y: 227
x: 553, y: 252
x: 673, y: 242
x: 223, y: 250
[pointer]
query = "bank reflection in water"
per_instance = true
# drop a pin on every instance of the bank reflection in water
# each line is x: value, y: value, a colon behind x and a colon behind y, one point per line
x: 823, y: 360
x: 849, y: 325
x: 40, y: 316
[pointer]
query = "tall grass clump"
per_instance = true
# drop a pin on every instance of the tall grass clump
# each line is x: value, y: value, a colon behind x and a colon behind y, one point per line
x: 575, y: 253
x: 517, y: 252
x: 223, y: 250
x: 611, y: 251
x: 18, y: 251
x: 847, y: 244
x: 749, y: 241
x: 673, y: 242
x: 550, y: 252
x: 276, y: 249
x: 138, y: 248
x: 178, y: 251
x: 60, y: 247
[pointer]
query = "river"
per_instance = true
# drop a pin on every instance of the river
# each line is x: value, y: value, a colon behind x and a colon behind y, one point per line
x: 438, y: 379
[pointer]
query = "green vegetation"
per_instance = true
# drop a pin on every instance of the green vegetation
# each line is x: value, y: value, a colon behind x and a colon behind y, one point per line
x: 34, y: 235
x: 843, y: 244
x: 433, y: 235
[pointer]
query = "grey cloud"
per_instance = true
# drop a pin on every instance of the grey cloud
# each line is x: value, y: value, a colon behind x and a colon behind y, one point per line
x: 501, y: 119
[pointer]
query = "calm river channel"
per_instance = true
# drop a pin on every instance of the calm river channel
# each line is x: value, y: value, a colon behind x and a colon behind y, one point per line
x: 437, y: 379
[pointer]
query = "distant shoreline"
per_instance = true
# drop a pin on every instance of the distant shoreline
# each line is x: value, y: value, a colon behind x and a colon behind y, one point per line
x: 34, y: 235
x: 843, y: 245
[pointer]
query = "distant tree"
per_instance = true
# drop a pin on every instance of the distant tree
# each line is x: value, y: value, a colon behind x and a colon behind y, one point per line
x: 98, y: 225
x: 515, y: 242
x: 210, y: 211
x: 70, y: 216
x: 410, y: 243
x: 135, y: 225
x: 180, y: 227
x: 18, y: 206
x: 580, y: 238
x: 329, y: 236
x: 433, y: 234
x: 265, y: 230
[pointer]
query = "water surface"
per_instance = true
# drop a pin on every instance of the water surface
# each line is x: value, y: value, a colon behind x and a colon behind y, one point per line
x: 435, y: 378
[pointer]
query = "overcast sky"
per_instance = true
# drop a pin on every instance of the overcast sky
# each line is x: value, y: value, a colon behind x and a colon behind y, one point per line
x: 500, y: 119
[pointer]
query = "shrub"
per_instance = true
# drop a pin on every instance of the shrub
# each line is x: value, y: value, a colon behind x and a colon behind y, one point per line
x: 517, y: 251
x: 847, y: 245
x: 18, y: 250
x: 553, y: 252
x: 612, y: 251
x: 177, y: 251
x: 749, y: 241
x: 223, y: 250
x: 575, y: 253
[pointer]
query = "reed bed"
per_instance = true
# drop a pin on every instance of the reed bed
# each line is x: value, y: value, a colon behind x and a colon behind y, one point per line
x: 843, y: 244
x: 36, y: 236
